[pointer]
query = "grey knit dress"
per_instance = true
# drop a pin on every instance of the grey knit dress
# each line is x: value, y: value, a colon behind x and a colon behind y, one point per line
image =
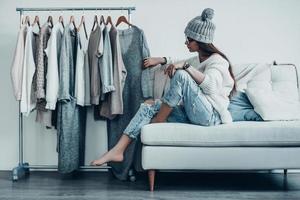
x: 71, y: 118
x: 134, y: 49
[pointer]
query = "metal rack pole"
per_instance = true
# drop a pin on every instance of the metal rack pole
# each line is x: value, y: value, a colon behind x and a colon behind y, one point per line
x: 20, y: 119
x: 23, y: 168
x: 74, y: 8
x: 20, y: 170
x: 20, y: 135
x: 129, y: 16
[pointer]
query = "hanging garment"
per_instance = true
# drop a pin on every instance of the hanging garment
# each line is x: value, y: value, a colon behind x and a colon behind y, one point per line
x: 82, y: 74
x: 71, y: 118
x: 106, y: 70
x: 100, y: 48
x: 17, y: 64
x: 35, y: 45
x: 41, y: 61
x: 100, y: 52
x: 134, y: 49
x: 53, y: 51
x: 94, y: 55
x: 114, y: 103
x: 27, y: 100
x: 43, y: 115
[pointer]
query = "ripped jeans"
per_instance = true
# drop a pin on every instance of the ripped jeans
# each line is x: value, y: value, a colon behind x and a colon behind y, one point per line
x: 195, y: 109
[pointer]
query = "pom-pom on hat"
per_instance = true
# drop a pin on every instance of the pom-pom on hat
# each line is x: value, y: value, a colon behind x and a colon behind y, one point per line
x: 201, y: 28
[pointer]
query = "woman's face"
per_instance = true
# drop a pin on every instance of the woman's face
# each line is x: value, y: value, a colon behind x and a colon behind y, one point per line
x: 191, y: 45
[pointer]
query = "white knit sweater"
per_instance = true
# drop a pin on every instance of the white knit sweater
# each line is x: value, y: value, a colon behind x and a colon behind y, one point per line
x: 217, y: 84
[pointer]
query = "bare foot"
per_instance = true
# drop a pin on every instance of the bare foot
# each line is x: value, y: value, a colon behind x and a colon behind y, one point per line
x: 109, y: 156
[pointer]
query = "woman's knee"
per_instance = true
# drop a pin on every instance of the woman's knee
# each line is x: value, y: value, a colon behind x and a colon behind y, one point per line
x: 182, y: 75
x: 148, y: 110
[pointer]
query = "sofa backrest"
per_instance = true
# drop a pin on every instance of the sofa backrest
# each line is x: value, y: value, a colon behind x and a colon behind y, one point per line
x: 282, y: 79
x: 285, y: 80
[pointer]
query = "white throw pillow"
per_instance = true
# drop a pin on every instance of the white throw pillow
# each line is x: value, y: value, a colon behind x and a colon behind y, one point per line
x: 273, y: 106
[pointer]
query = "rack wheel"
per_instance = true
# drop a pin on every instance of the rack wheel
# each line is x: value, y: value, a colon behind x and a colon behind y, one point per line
x: 132, y: 178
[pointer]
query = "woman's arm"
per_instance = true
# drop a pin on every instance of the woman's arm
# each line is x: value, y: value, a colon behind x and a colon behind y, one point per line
x: 152, y: 61
x: 195, y: 74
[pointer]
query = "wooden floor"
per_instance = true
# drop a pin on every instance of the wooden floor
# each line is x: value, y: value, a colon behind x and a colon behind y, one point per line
x: 101, y: 185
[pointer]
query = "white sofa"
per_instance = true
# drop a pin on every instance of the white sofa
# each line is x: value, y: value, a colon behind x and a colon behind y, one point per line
x: 243, y: 145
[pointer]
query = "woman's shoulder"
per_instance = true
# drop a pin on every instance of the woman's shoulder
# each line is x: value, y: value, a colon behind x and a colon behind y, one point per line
x: 217, y: 59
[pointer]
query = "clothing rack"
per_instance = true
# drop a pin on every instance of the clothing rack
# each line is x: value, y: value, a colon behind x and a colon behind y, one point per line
x: 23, y: 168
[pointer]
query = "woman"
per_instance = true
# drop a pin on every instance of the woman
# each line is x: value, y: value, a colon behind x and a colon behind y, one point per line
x: 204, y: 96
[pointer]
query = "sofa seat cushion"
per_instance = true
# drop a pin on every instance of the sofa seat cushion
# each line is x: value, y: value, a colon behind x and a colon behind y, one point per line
x: 272, y: 133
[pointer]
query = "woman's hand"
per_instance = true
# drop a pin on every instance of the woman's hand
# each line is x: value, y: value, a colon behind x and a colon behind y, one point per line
x: 171, y: 69
x: 152, y: 61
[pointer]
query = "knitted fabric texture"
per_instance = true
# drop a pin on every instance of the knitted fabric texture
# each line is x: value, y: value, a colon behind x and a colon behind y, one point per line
x: 201, y: 28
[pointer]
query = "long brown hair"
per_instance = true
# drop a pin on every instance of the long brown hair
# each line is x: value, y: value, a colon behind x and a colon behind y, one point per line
x: 208, y: 50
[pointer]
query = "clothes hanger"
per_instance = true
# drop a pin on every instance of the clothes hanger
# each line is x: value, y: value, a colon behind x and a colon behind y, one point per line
x: 102, y: 20
x: 82, y: 23
x: 124, y: 20
x: 72, y: 21
x: 108, y: 21
x: 95, y: 22
x: 27, y: 20
x: 50, y: 21
x: 61, y: 20
x: 36, y: 21
x: 22, y: 20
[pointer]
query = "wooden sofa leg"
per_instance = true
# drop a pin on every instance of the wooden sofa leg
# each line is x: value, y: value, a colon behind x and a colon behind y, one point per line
x: 151, y: 175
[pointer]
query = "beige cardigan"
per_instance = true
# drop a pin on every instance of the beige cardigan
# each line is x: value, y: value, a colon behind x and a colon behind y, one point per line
x: 17, y: 64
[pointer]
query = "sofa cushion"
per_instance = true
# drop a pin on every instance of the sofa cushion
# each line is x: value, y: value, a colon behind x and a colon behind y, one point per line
x: 271, y: 105
x: 272, y: 133
x: 283, y: 79
x: 274, y: 93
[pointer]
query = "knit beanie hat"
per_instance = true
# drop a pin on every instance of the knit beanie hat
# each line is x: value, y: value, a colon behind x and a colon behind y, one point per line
x: 201, y: 28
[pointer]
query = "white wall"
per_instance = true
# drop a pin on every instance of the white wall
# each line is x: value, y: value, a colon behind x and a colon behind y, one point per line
x: 247, y: 31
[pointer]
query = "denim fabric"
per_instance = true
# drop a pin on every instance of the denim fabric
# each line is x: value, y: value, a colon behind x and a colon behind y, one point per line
x: 141, y: 118
x: 146, y: 112
x: 195, y: 109
x: 241, y: 109
x: 178, y: 115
